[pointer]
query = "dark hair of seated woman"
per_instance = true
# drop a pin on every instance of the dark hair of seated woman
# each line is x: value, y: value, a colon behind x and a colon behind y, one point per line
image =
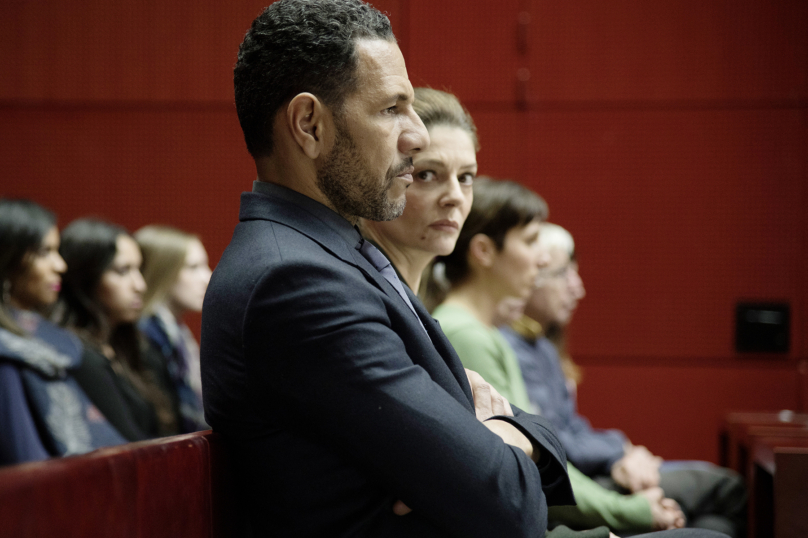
x: 101, y: 301
x: 43, y: 411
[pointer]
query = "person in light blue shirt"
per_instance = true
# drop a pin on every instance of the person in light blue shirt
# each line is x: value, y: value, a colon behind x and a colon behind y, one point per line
x: 711, y: 497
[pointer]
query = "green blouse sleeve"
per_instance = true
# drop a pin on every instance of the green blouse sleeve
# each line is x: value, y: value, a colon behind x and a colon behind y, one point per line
x: 478, y: 352
x: 599, y: 506
x: 484, y: 350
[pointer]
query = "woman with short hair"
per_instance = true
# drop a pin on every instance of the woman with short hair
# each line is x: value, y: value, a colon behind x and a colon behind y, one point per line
x: 495, y: 257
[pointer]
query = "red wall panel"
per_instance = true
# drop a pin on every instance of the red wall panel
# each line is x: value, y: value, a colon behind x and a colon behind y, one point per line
x: 670, y: 137
x: 134, y: 167
x: 468, y: 48
x: 152, y: 50
x: 587, y: 50
x: 145, y: 50
x: 676, y: 411
x: 677, y: 215
x: 627, y: 50
x: 501, y: 152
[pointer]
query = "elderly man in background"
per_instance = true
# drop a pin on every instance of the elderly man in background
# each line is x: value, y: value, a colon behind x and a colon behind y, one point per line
x: 711, y: 497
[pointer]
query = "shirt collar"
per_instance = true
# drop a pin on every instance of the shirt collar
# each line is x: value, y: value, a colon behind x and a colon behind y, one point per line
x: 380, y: 249
x: 169, y: 322
x: 528, y: 328
x: 349, y: 233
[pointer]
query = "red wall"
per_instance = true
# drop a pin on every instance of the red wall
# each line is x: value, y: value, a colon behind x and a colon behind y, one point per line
x: 670, y: 137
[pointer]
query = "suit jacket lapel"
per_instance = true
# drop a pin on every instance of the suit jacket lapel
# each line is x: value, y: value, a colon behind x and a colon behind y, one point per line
x: 446, y: 351
x: 266, y: 207
x: 445, y: 367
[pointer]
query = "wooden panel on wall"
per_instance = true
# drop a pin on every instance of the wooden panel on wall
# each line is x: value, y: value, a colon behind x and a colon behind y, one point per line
x: 147, y: 50
x: 669, y: 50
x: 676, y: 215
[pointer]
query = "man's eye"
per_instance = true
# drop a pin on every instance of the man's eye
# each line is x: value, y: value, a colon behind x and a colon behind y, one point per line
x: 392, y: 110
x: 467, y: 178
x: 426, y: 175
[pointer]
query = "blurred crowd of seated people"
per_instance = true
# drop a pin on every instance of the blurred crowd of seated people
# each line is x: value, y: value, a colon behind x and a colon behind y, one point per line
x: 93, y: 349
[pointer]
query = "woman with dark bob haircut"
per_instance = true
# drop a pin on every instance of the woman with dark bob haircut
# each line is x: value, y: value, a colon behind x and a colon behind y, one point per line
x: 43, y: 411
x: 495, y: 257
x: 101, y: 301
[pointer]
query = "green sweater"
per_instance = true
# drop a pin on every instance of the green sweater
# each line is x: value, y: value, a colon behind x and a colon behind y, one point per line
x: 484, y: 350
x: 599, y: 506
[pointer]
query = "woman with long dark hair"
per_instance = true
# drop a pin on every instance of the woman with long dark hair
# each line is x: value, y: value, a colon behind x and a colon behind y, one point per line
x: 101, y: 301
x: 43, y: 411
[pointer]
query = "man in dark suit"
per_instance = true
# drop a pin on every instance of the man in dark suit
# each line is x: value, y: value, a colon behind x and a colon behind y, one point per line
x: 344, y: 409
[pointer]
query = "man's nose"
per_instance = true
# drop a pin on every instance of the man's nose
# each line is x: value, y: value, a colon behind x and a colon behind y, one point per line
x: 414, y: 137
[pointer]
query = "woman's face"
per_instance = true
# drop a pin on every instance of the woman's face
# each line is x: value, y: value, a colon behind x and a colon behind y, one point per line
x: 40, y: 280
x: 188, y: 292
x: 517, y: 265
x: 121, y: 288
x: 439, y: 199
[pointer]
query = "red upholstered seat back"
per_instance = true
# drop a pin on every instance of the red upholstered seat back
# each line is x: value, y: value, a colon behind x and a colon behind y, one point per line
x: 151, y: 489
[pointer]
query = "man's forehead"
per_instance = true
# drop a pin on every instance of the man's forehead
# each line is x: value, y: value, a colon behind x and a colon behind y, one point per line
x: 381, y: 70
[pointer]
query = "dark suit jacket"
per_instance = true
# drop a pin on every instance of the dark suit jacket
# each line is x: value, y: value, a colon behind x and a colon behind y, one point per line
x: 334, y: 403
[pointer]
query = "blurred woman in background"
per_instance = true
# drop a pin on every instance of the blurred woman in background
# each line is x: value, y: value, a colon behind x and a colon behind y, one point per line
x: 175, y: 267
x: 43, y: 411
x: 101, y: 301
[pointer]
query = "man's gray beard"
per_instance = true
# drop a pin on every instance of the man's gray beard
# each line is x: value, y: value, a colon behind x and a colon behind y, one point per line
x: 351, y: 189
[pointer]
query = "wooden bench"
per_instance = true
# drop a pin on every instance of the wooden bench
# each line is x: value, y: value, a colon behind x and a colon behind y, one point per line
x: 770, y: 450
x: 741, y: 428
x: 778, y: 487
x: 171, y: 487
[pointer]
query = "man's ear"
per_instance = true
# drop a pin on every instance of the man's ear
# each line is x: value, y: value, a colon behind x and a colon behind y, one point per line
x: 308, y: 121
x: 482, y: 250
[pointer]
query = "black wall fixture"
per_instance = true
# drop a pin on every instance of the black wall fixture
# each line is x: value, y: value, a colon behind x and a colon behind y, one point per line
x: 762, y: 327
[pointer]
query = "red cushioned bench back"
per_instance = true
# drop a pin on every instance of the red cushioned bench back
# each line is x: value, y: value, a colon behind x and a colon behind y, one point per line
x: 152, y: 489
